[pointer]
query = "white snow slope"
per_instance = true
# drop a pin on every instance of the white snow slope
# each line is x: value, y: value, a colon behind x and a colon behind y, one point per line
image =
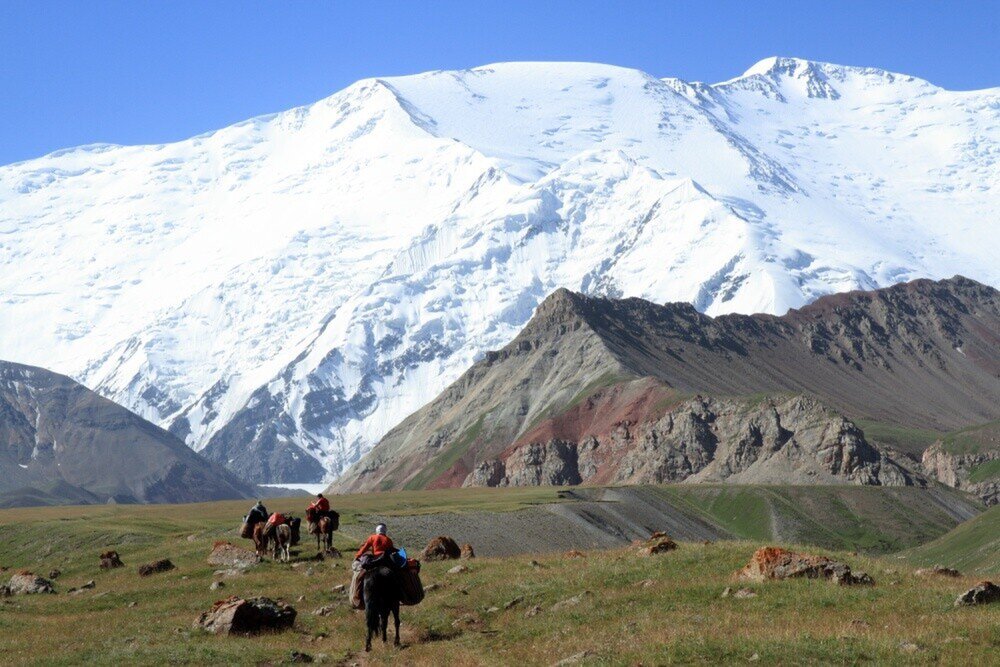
x: 283, y: 291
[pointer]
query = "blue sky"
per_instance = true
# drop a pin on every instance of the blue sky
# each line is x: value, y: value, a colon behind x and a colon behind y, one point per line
x: 141, y: 72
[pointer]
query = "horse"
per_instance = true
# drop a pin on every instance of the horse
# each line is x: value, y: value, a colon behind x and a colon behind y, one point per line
x: 322, y: 527
x: 260, y: 538
x: 381, y: 591
x: 282, y: 540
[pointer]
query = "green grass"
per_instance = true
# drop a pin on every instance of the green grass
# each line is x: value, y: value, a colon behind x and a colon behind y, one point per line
x: 909, y: 440
x: 861, y: 518
x: 452, y: 453
x: 657, y: 610
x: 972, y: 547
x: 985, y: 471
x: 974, y: 439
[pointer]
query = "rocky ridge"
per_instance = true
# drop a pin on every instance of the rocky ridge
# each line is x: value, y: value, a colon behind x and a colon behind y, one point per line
x: 591, y: 379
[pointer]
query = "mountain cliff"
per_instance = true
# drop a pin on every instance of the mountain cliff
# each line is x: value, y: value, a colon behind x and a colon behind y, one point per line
x: 61, y: 443
x: 281, y: 292
x: 607, y: 390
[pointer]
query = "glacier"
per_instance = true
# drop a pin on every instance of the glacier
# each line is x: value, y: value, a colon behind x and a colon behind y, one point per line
x: 281, y: 292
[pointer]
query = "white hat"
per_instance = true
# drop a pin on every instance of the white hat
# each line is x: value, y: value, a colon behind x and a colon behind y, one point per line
x: 380, y: 529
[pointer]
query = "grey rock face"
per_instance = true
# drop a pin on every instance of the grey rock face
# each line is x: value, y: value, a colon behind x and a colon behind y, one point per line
x: 958, y: 470
x: 62, y: 443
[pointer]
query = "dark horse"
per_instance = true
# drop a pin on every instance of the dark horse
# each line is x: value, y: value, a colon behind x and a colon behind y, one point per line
x: 381, y: 594
x: 322, y: 527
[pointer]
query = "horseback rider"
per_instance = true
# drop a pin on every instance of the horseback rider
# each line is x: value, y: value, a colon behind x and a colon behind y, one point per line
x: 321, y: 505
x: 275, y: 519
x: 377, y: 544
x: 257, y: 514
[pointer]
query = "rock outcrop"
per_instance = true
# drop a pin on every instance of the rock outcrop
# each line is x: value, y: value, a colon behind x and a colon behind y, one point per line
x: 110, y: 560
x: 969, y: 460
x: 442, y: 547
x: 602, y: 390
x: 29, y: 583
x: 985, y: 592
x: 236, y: 616
x: 776, y: 563
x: 161, y: 565
x: 776, y: 440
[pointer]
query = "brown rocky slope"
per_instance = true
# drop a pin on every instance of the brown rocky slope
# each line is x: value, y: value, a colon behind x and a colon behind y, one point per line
x: 741, y: 398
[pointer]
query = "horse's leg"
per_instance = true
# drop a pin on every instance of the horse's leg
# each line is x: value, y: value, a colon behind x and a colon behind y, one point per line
x: 395, y: 618
x: 384, y: 618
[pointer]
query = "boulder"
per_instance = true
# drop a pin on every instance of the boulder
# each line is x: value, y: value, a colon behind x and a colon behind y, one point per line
x: 776, y: 563
x: 162, y: 565
x: 110, y: 560
x: 458, y: 569
x: 658, y: 544
x: 441, y: 548
x: 229, y: 555
x: 985, y: 592
x: 235, y: 616
x: 937, y: 571
x: 468, y: 551
x: 29, y: 583
x: 216, y: 585
x: 54, y: 574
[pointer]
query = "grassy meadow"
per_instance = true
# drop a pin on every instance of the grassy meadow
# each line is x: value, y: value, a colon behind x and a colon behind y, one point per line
x: 606, y: 607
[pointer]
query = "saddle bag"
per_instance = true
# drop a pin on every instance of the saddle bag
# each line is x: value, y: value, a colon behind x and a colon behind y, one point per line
x: 335, y: 519
x: 357, y: 589
x: 412, y: 590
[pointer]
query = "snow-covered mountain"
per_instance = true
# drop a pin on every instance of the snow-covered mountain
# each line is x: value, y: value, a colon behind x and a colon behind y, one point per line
x: 283, y: 291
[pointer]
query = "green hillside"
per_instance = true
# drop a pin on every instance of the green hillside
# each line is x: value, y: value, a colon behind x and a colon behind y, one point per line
x: 973, y: 547
x: 859, y: 518
x: 600, y: 607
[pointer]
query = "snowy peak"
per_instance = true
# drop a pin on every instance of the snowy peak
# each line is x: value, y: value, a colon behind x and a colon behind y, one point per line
x: 784, y: 78
x: 283, y: 291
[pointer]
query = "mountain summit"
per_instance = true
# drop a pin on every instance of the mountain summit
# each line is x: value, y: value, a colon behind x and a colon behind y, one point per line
x: 281, y: 292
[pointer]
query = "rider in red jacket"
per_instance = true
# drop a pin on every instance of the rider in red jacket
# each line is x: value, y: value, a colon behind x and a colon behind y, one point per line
x: 377, y: 544
x: 321, y: 504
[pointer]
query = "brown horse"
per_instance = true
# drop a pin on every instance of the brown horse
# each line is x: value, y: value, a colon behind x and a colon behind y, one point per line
x: 282, y: 540
x: 322, y: 527
x: 261, y: 538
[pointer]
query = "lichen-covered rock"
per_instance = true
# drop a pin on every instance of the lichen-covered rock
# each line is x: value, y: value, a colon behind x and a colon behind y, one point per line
x: 442, y: 547
x: 236, y: 616
x: 29, y: 583
x: 985, y: 592
x: 776, y: 563
x: 468, y: 551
